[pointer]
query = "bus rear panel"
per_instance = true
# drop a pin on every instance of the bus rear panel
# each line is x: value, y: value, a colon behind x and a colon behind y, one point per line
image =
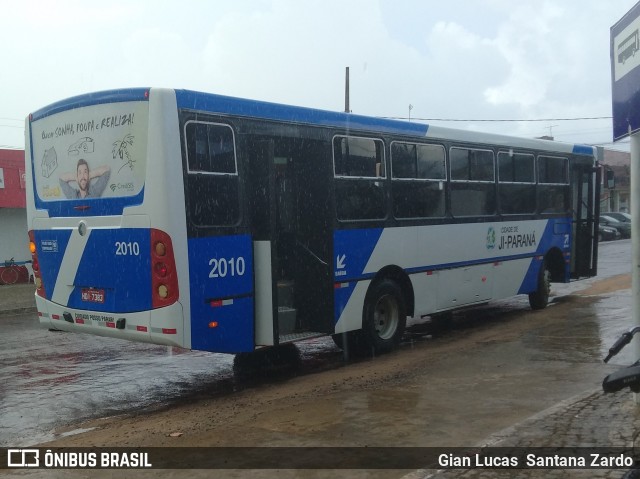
x: 99, y: 265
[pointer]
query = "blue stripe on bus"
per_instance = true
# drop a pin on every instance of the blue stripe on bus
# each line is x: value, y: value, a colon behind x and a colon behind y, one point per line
x: 107, y: 96
x: 221, y: 267
x: 443, y: 266
x: 272, y: 111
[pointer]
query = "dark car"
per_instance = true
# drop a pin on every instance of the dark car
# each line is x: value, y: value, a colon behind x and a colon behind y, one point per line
x: 606, y: 233
x: 624, y: 217
x: 624, y: 228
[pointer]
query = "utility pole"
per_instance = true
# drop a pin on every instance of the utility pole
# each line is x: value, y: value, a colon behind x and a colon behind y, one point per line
x: 346, y: 92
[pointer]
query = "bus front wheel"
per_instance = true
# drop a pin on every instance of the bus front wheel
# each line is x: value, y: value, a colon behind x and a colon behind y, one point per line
x: 540, y: 298
x: 384, y: 318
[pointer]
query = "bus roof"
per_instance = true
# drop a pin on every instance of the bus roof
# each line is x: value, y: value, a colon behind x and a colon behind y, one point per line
x: 295, y: 114
x: 227, y: 105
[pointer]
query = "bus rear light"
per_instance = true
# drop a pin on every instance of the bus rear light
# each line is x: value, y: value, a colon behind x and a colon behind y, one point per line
x: 213, y: 324
x: 160, y: 248
x: 164, y: 276
x: 37, y: 274
x: 163, y: 291
x: 169, y: 331
x: 161, y: 269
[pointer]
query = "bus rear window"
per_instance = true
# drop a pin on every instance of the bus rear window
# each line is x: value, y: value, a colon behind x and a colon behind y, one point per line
x: 97, y: 151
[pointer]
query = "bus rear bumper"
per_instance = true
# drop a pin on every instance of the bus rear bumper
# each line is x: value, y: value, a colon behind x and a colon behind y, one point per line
x: 159, y: 326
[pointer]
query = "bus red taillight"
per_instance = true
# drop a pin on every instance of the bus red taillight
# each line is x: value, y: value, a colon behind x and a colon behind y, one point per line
x: 161, y: 269
x: 164, y: 277
x: 35, y: 265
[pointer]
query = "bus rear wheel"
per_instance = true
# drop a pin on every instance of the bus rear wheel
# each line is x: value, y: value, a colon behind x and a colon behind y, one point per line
x: 384, y: 317
x: 540, y: 298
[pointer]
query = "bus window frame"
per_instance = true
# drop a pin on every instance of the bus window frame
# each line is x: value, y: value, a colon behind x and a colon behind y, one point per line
x: 417, y: 144
x: 378, y: 181
x: 492, y: 183
x: 512, y: 153
x: 350, y: 177
x: 468, y: 148
x: 566, y: 170
x: 430, y: 181
x: 186, y: 148
x: 530, y: 185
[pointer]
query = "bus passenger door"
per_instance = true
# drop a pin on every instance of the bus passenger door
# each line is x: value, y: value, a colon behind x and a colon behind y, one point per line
x: 261, y: 202
x: 586, y: 207
x: 291, y: 239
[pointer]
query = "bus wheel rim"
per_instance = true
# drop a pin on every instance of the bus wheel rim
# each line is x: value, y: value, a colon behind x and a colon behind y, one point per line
x: 386, y: 317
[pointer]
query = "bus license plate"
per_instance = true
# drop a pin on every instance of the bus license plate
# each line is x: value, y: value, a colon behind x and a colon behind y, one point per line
x: 93, y: 295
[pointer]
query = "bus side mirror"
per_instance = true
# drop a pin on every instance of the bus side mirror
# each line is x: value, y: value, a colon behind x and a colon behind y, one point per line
x: 611, y: 180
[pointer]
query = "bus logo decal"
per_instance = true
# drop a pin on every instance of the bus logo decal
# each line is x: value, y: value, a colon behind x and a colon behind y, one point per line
x: 491, y: 238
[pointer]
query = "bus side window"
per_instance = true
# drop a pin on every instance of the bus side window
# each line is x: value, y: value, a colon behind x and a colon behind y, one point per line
x: 418, y: 173
x: 210, y: 148
x: 212, y: 182
x: 358, y: 165
x: 516, y: 182
x: 473, y: 191
x: 553, y: 184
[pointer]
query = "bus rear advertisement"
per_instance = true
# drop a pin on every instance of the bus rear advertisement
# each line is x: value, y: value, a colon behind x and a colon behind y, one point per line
x: 223, y: 224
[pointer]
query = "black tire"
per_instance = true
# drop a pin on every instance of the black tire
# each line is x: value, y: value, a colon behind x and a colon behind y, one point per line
x: 540, y: 298
x: 384, y: 318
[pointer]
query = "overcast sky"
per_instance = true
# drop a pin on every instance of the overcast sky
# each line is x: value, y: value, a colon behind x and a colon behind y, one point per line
x: 449, y: 59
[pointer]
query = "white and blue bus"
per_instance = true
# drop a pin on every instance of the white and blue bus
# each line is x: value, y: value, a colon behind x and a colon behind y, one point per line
x: 223, y: 224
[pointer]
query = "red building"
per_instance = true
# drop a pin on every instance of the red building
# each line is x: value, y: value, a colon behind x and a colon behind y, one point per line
x: 14, y: 239
x: 12, y: 179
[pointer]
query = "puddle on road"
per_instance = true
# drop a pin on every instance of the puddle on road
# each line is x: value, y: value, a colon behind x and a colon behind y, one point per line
x: 51, y: 379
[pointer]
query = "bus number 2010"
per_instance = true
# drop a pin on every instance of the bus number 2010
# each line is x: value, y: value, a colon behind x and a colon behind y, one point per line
x: 221, y: 268
x: 124, y: 248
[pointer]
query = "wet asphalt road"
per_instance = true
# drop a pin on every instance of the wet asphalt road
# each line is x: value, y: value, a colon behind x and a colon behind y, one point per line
x: 49, y: 379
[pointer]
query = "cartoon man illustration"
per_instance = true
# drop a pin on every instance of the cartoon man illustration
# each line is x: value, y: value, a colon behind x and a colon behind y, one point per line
x: 83, y: 177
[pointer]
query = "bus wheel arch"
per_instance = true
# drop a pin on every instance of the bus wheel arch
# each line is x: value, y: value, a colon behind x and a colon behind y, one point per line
x: 552, y: 269
x: 398, y: 275
x: 388, y: 302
